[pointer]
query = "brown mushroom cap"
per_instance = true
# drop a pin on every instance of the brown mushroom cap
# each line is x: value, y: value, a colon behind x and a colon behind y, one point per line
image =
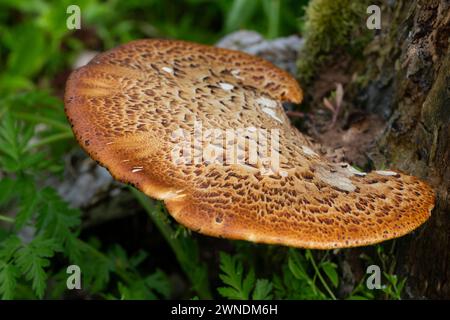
x: 125, y: 105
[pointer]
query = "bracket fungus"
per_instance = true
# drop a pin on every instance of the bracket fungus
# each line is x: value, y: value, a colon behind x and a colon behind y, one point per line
x: 137, y: 107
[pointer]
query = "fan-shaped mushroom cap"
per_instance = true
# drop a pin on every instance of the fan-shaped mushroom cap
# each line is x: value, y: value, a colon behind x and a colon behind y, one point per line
x: 131, y: 106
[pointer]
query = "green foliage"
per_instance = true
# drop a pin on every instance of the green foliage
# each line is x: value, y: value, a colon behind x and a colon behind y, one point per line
x: 40, y: 234
x: 42, y: 225
x: 134, y: 286
x: 332, y: 27
x: 272, y: 18
x: 185, y: 248
x: 31, y: 259
x: 26, y: 259
x: 240, y: 286
x: 300, y: 266
x: 294, y: 282
x: 8, y: 280
x: 394, y: 288
x: 300, y: 277
x: 263, y: 290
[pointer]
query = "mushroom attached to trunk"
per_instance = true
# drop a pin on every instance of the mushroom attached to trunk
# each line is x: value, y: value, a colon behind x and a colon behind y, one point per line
x: 203, y: 129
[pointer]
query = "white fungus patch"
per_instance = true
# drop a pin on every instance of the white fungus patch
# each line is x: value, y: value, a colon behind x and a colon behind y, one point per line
x: 235, y: 73
x: 272, y: 113
x: 251, y: 237
x: 171, y: 195
x: 167, y: 69
x: 266, y: 102
x: 283, y: 173
x: 84, y: 58
x: 226, y: 86
x: 335, y: 179
x: 355, y: 171
x: 308, y: 151
x: 137, y: 169
x: 386, y: 173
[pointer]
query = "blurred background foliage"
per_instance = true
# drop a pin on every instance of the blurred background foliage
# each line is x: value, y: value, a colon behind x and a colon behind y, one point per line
x: 35, y: 39
x: 37, y: 53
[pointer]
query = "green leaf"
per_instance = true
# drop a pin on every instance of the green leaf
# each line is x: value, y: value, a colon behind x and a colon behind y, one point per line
x: 8, y: 280
x: 8, y: 247
x: 263, y: 290
x: 296, y: 267
x: 9, y: 133
x: 27, y: 46
x: 248, y: 283
x: 31, y: 260
x: 272, y: 15
x: 96, y: 266
x: 138, y: 258
x: 124, y: 291
x: 159, y: 282
x: 10, y: 83
x: 119, y: 256
x: 241, y: 11
x: 330, y: 270
x: 29, y: 200
x: 229, y: 293
x: 56, y: 220
x: 14, y: 139
x: 7, y: 187
x: 401, y: 285
x: 232, y: 275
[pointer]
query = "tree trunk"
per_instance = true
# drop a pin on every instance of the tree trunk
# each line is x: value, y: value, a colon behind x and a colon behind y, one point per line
x: 410, y: 86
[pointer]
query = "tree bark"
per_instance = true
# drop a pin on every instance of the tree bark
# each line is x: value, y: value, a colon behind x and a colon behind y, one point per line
x: 410, y: 87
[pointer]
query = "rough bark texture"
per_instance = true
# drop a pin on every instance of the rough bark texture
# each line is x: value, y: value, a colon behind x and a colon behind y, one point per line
x: 410, y: 87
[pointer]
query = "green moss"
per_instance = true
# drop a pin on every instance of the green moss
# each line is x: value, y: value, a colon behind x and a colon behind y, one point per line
x: 332, y: 26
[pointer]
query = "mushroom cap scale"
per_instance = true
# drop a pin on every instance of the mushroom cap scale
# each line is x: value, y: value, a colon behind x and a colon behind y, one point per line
x: 131, y: 106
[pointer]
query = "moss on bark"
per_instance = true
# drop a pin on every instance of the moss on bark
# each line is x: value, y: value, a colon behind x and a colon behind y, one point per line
x: 332, y: 26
